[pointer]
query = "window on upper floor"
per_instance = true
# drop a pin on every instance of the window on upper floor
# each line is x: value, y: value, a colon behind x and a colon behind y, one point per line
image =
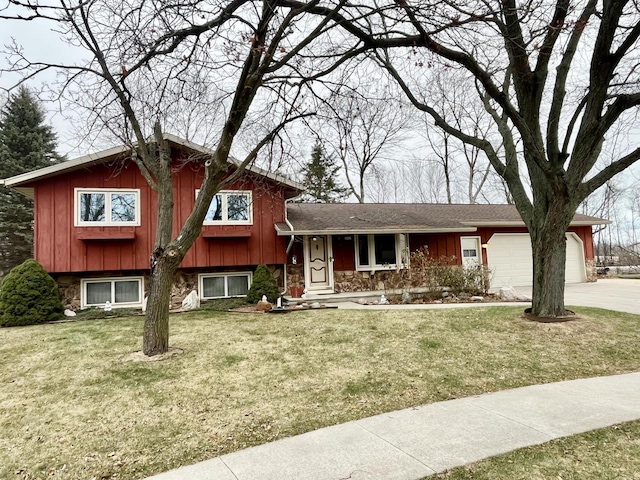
x: 230, y: 207
x: 103, y: 207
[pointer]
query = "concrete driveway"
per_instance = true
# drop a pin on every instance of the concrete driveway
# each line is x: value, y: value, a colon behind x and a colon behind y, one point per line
x: 618, y: 294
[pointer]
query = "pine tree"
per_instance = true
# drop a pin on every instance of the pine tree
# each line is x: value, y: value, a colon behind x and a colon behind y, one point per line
x: 320, y: 178
x: 26, y: 144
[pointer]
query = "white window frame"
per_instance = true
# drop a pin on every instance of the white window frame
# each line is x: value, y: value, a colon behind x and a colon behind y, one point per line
x: 225, y: 211
x: 478, y: 249
x: 85, y: 281
x: 224, y: 275
x: 401, y: 242
x: 78, y: 222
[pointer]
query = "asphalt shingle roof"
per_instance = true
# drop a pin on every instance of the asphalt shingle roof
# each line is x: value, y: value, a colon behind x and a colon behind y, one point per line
x: 368, y: 217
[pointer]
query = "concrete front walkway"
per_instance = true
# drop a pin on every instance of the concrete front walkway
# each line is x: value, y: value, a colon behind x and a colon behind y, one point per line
x: 417, y: 442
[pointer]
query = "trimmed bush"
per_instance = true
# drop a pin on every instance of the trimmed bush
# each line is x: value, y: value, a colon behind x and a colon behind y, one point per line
x: 263, y: 284
x: 28, y: 295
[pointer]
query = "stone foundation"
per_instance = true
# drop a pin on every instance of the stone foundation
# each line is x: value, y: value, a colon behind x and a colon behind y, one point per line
x: 354, y: 281
x: 295, y: 275
x: 69, y: 285
x: 345, y: 281
x: 184, y: 283
x: 591, y: 270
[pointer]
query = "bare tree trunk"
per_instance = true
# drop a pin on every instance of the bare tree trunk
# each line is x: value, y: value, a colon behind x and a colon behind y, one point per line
x: 445, y: 164
x: 549, y: 246
x: 164, y: 259
x: 549, y: 255
x: 360, y: 196
x: 155, y: 337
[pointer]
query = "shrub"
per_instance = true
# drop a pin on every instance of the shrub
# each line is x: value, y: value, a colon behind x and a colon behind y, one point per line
x: 263, y: 284
x: 28, y: 295
x: 443, y: 272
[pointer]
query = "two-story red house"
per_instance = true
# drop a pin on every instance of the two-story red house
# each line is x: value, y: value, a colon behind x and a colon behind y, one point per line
x: 95, y: 225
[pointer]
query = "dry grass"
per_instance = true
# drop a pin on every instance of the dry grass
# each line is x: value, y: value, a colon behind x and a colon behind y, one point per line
x: 606, y: 454
x: 73, y: 406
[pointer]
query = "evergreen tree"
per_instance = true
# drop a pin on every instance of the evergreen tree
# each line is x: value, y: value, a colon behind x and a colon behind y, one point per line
x: 263, y: 284
x: 320, y: 178
x: 26, y: 144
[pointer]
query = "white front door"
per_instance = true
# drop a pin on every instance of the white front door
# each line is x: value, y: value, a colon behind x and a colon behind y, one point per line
x: 471, y: 255
x: 318, y: 268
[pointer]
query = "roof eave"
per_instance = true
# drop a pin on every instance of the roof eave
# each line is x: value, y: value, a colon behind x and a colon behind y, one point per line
x: 520, y: 223
x: 84, y: 161
x: 589, y: 223
x: 98, y: 157
x: 356, y: 231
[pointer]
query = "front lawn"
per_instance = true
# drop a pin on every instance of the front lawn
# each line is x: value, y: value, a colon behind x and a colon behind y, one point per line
x: 605, y: 454
x: 72, y: 406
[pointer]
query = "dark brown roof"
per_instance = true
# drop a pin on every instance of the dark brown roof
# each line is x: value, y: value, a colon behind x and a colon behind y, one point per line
x: 402, y: 217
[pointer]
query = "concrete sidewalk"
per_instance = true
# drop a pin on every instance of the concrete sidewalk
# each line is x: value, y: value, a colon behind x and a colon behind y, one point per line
x: 416, y: 442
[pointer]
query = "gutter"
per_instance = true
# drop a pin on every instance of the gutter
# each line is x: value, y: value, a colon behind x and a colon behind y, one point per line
x: 358, y: 231
x: 520, y: 223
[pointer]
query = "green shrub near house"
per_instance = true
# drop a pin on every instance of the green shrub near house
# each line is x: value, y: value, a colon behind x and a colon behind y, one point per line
x: 439, y: 273
x: 263, y: 284
x: 28, y: 295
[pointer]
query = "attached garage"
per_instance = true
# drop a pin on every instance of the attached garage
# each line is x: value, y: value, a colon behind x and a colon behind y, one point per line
x: 509, y: 258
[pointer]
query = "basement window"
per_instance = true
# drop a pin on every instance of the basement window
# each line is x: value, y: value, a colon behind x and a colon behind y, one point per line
x: 120, y: 292
x: 224, y: 285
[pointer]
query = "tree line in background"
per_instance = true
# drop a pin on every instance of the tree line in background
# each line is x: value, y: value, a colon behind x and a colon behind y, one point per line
x: 538, y: 97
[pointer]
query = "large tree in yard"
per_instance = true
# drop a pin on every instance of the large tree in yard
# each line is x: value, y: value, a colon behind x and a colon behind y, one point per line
x: 250, y: 65
x: 557, y: 78
x: 26, y: 143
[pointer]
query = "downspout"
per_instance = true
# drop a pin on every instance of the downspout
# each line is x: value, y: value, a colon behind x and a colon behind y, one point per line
x: 291, y: 240
x: 286, y: 220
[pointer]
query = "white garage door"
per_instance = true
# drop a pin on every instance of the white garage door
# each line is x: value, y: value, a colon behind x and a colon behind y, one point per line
x: 509, y: 259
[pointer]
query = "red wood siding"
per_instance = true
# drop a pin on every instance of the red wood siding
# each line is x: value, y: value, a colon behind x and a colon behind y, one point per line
x: 59, y: 245
x: 440, y: 245
x: 344, y: 253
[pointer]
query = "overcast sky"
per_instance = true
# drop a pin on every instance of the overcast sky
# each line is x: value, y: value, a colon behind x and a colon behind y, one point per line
x: 39, y: 42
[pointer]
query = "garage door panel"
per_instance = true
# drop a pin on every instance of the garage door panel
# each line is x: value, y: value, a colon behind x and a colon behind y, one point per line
x: 509, y: 258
